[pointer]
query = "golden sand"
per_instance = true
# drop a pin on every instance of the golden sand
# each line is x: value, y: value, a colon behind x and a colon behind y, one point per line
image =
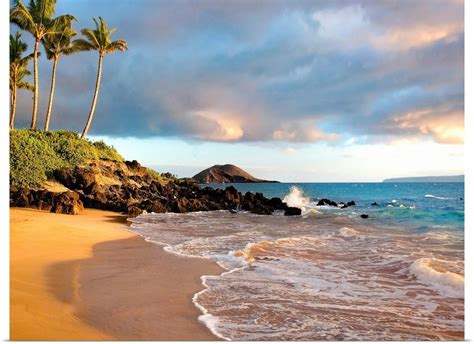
x: 84, y: 277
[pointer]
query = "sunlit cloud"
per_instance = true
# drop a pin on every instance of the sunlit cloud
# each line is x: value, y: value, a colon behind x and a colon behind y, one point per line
x: 302, y: 131
x: 444, y: 127
x: 407, y: 38
x: 228, y: 127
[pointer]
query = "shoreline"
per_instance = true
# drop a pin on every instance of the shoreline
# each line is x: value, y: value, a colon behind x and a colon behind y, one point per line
x: 111, y: 284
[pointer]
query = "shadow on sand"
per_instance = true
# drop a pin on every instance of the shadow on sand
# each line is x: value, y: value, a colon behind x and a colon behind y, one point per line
x: 131, y: 289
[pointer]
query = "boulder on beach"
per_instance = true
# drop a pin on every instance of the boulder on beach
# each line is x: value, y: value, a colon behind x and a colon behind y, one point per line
x: 68, y: 202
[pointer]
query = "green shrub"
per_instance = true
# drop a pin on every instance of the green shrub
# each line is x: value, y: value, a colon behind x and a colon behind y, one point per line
x: 155, y: 175
x: 34, y: 155
x: 70, y: 148
x: 169, y: 175
x: 106, y: 152
x: 32, y: 159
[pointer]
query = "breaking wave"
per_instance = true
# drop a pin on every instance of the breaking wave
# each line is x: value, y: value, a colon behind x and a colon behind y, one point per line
x: 296, y: 198
x: 446, y: 282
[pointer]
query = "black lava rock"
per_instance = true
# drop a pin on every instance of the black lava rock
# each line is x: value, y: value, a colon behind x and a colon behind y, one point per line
x: 292, y: 211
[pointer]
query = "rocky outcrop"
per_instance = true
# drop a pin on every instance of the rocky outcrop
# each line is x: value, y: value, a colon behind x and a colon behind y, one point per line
x: 57, y: 202
x: 226, y: 174
x: 130, y: 188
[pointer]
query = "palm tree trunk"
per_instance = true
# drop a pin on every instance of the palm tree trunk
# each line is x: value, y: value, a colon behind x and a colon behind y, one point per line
x: 13, y: 106
x: 51, y: 94
x: 94, y: 100
x: 35, y: 94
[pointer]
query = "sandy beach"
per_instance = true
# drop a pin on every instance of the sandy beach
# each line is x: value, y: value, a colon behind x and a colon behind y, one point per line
x: 85, y: 277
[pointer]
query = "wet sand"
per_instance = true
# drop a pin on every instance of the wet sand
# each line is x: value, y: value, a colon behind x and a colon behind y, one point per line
x: 86, y: 278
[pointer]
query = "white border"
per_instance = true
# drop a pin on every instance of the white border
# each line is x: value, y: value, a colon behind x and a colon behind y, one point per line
x: 4, y: 184
x: 4, y: 175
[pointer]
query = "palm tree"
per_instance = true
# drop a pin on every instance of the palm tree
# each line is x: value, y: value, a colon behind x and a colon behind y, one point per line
x: 55, y: 45
x: 18, y: 70
x: 37, y: 19
x: 98, y: 39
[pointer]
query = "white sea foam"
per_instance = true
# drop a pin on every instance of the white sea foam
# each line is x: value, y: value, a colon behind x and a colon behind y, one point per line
x: 306, y: 212
x: 206, y: 318
x: 403, y: 206
x: 436, y: 197
x: 296, y: 198
x: 348, y: 232
x: 447, y: 283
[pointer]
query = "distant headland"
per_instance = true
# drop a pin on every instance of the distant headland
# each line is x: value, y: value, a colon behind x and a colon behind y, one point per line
x: 437, y: 179
x: 227, y: 174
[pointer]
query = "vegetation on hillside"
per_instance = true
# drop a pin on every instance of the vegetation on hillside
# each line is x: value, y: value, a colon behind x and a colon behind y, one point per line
x: 34, y: 155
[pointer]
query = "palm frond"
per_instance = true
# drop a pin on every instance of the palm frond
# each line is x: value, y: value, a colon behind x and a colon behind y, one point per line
x: 22, y: 72
x: 100, y: 37
x: 42, y: 9
x: 91, y: 37
x: 25, y: 60
x: 25, y: 85
x: 17, y: 78
x: 59, y: 24
x: 118, y: 45
x: 35, y: 18
x: 17, y: 47
x: 21, y: 16
x: 57, y: 40
x: 83, y: 45
x: 71, y: 49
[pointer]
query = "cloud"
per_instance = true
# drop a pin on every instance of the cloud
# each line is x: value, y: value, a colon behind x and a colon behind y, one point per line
x: 444, y: 126
x: 299, y: 71
x: 303, y: 131
x: 227, y: 129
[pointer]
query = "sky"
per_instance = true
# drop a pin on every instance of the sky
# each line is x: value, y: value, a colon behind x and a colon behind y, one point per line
x: 346, y: 90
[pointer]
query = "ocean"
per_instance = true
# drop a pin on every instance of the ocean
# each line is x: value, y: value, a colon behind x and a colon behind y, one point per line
x: 329, y: 274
